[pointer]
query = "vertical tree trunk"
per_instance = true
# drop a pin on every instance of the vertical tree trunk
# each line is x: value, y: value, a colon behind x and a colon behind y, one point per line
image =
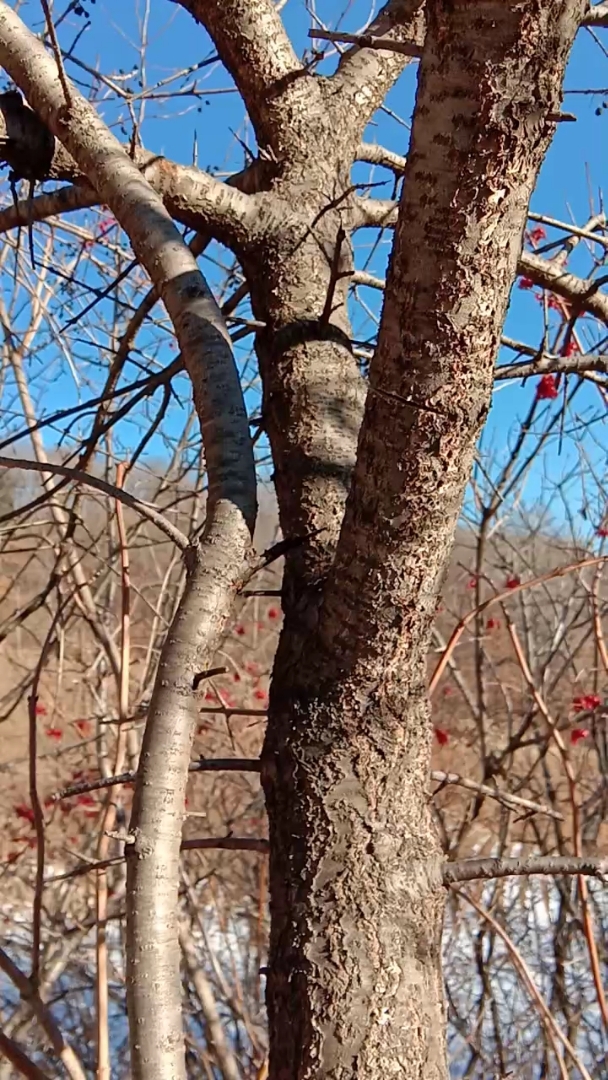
x: 354, y: 981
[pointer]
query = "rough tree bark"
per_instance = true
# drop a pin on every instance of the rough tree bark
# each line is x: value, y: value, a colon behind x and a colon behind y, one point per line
x: 354, y: 981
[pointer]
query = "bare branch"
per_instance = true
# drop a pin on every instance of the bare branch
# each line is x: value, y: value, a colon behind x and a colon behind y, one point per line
x: 515, y: 802
x: 216, y: 1036
x: 215, y: 843
x: 584, y: 293
x: 365, y: 75
x: 380, y: 155
x: 45, y: 1018
x: 596, y: 15
x: 191, y: 196
x: 24, y: 1065
x: 63, y: 201
x: 369, y: 41
x: 203, y: 765
x: 487, y: 869
x: 214, y: 570
x: 79, y: 477
x: 371, y: 213
x: 253, y: 45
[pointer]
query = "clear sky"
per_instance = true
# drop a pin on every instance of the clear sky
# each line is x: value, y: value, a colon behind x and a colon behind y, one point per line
x: 570, y: 185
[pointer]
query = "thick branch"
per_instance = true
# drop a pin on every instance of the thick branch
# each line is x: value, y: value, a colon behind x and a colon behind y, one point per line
x: 63, y: 201
x: 596, y: 15
x: 487, y: 869
x: 365, y: 75
x: 577, y: 364
x: 369, y: 41
x: 214, y: 571
x: 254, y: 47
x: 371, y: 213
x: 583, y: 292
x: 580, y: 292
x: 191, y: 195
x: 445, y: 300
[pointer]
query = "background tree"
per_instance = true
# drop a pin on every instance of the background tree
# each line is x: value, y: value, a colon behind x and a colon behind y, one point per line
x: 370, y: 476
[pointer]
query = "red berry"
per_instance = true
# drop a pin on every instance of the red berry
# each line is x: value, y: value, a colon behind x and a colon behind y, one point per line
x: 586, y: 702
x: 537, y: 234
x: 442, y: 736
x: 25, y: 812
x: 54, y: 733
x: 578, y: 733
x: 512, y: 582
x: 525, y: 283
x: 547, y: 388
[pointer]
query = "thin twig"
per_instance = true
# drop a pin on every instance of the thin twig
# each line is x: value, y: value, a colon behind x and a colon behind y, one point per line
x: 528, y: 981
x: 31, y: 997
x: 498, y: 598
x: 222, y: 843
x: 505, y: 797
x: 80, y: 477
x: 57, y: 51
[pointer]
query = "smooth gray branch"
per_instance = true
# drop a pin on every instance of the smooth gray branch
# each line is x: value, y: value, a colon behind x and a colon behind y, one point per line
x: 489, y: 869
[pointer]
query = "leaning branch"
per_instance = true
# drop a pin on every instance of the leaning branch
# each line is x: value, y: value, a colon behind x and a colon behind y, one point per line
x: 145, y: 509
x: 214, y: 569
x: 253, y: 45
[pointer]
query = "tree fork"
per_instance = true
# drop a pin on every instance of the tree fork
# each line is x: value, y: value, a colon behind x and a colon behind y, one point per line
x: 354, y: 979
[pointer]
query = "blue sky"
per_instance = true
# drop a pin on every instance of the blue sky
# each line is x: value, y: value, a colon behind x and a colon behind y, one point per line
x: 571, y: 181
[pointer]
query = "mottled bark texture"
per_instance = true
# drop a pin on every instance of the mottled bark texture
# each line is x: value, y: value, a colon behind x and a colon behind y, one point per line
x: 354, y: 983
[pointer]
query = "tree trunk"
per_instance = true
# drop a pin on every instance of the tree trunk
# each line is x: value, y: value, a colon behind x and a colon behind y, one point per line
x: 354, y: 980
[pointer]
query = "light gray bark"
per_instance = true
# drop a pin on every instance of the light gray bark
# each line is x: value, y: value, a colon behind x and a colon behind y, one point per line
x: 215, y: 565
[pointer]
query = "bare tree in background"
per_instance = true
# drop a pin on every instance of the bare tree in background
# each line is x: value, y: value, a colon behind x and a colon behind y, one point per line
x: 369, y: 476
